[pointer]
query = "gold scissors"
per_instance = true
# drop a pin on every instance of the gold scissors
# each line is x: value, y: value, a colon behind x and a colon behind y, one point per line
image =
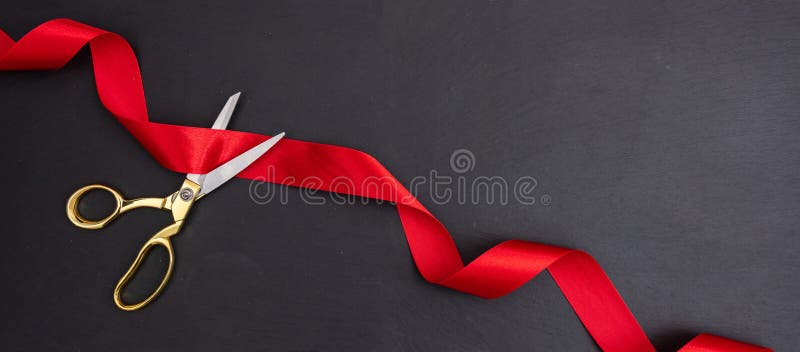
x: 193, y: 188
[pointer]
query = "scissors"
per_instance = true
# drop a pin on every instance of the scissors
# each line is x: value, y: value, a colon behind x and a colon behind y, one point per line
x: 193, y: 188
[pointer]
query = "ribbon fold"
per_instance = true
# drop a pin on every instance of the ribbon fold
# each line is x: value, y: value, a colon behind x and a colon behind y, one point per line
x: 496, y: 272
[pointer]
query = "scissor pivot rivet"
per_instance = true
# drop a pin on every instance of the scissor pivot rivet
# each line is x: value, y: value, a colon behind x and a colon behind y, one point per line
x: 186, y: 194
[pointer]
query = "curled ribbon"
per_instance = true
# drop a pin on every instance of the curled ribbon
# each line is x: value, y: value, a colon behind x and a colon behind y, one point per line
x: 496, y: 272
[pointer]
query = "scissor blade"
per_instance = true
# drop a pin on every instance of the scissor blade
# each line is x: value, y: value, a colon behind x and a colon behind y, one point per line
x: 220, y: 123
x: 228, y: 170
x: 224, y: 117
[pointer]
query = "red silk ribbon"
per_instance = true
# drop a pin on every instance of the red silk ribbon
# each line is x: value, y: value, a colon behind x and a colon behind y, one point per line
x: 496, y: 272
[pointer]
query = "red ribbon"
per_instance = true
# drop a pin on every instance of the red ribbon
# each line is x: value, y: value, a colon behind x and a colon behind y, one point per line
x: 496, y: 272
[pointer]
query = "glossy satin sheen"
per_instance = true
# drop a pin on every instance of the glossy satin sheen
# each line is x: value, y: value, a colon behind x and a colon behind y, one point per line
x: 495, y: 273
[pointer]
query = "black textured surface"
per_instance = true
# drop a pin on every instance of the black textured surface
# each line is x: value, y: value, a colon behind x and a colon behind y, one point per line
x: 665, y: 134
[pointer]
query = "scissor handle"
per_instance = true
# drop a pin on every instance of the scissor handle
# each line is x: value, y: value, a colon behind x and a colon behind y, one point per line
x: 162, y: 238
x: 75, y: 216
x: 121, y: 205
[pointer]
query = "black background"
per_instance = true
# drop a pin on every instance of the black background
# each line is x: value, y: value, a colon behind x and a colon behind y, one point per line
x: 665, y: 134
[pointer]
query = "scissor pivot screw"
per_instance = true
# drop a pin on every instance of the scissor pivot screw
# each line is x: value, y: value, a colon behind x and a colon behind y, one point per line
x: 186, y: 194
